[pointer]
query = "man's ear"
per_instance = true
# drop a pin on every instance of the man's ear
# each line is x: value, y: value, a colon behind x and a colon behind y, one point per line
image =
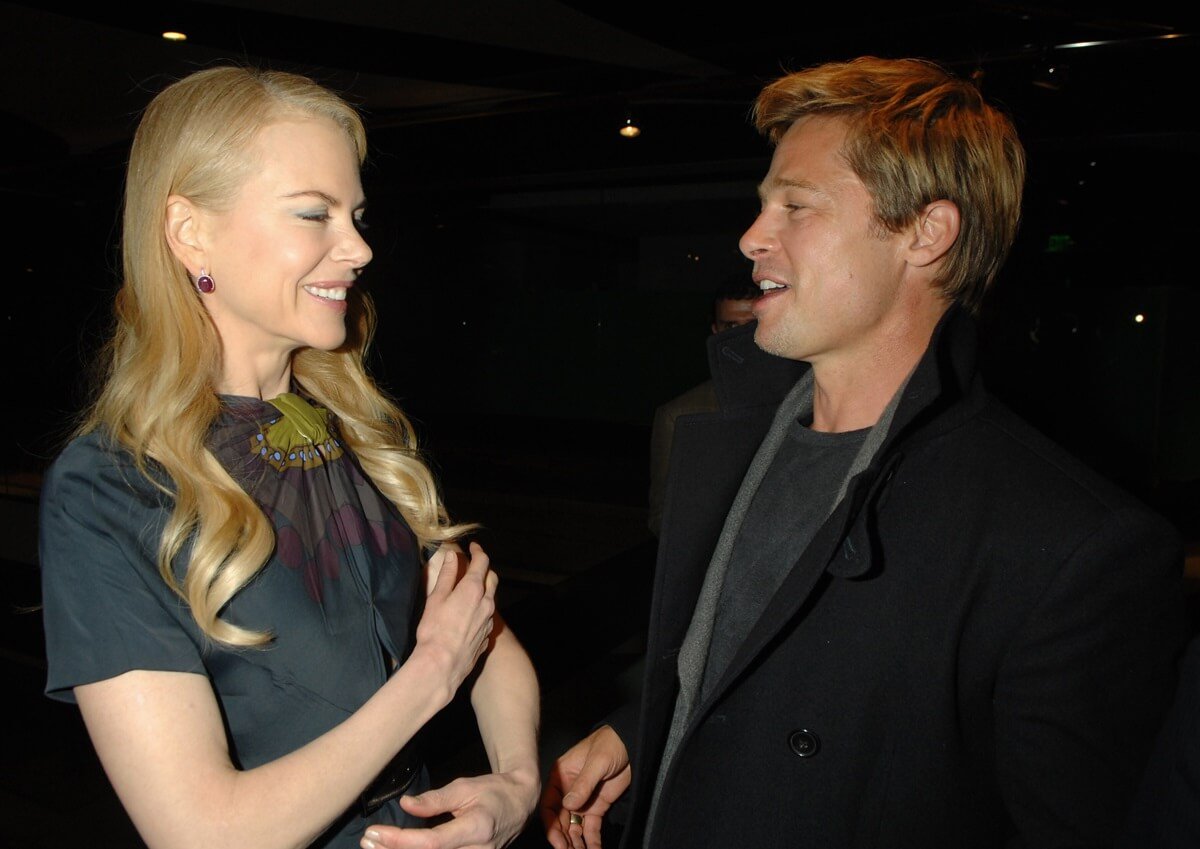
x: 933, y: 233
x: 182, y: 227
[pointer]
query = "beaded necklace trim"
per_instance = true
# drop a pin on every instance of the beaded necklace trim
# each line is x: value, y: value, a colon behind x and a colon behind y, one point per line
x: 298, y: 438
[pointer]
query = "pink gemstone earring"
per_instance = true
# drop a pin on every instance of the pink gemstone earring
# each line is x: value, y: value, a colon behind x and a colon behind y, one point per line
x: 204, y: 283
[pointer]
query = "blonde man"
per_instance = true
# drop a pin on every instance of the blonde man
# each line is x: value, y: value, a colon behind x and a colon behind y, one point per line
x: 888, y: 613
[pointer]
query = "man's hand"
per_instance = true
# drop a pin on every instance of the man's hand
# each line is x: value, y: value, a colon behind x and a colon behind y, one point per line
x: 487, y: 811
x: 586, y: 780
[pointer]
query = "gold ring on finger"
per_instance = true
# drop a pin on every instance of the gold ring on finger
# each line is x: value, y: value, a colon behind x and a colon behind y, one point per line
x: 576, y: 819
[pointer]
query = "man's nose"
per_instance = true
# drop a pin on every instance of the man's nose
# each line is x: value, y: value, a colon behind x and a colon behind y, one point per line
x: 758, y: 238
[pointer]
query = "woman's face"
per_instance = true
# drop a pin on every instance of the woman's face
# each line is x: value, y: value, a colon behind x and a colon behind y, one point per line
x: 287, y: 251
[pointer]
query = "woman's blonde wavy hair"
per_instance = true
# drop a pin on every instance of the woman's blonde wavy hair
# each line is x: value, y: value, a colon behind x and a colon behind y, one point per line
x: 159, y: 397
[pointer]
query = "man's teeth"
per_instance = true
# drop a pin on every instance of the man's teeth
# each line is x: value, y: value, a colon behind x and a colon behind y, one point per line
x: 768, y: 285
x: 327, y: 294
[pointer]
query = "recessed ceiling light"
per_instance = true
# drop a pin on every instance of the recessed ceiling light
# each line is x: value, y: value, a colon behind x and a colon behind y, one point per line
x: 172, y: 35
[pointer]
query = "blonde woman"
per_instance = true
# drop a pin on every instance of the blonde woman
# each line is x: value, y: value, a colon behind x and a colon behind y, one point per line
x: 235, y: 586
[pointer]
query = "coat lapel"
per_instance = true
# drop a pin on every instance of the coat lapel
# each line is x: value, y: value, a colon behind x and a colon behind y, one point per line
x: 843, y: 544
x: 840, y: 547
x: 702, y: 484
x: 702, y: 487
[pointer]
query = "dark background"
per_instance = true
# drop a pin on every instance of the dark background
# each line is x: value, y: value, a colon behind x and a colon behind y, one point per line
x: 544, y: 283
x: 542, y: 280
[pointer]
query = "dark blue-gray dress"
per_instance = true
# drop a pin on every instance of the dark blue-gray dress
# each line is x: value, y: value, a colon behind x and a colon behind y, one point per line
x: 340, y: 594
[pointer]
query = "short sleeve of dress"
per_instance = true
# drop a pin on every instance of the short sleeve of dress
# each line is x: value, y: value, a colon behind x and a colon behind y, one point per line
x: 106, y: 609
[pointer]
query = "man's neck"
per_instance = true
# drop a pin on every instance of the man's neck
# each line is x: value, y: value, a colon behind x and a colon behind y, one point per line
x: 851, y: 392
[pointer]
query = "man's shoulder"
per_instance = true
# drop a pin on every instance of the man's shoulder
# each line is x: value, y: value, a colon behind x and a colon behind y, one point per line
x: 1017, y: 513
x: 997, y: 451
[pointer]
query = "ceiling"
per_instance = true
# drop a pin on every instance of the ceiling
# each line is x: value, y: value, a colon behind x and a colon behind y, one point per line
x: 499, y: 117
x: 75, y: 75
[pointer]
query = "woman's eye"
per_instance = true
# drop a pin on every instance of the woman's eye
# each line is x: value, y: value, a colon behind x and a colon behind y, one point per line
x: 315, y: 216
x: 361, y: 225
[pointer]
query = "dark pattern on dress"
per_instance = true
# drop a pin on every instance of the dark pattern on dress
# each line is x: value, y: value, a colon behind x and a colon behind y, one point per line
x: 319, y: 522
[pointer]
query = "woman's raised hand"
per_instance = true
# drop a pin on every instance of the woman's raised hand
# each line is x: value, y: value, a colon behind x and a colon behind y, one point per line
x: 456, y: 627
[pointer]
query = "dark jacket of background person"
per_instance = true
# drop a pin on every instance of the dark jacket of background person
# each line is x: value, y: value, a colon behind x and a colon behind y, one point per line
x: 975, y: 650
x: 698, y: 399
x: 1166, y: 814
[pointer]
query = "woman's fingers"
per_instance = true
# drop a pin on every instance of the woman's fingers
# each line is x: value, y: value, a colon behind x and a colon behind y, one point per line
x: 479, y: 562
x: 447, y: 575
x: 459, y: 613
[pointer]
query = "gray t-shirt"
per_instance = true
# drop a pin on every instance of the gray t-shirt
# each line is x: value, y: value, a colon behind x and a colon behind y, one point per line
x: 792, y: 502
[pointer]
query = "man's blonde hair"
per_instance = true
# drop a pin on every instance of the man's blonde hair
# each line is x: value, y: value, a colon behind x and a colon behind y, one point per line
x: 916, y: 134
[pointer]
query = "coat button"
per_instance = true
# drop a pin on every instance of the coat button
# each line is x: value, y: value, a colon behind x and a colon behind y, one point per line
x: 804, y: 743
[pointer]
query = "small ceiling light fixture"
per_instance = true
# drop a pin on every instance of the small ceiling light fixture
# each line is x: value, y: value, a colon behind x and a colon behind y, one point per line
x: 629, y: 129
x: 173, y: 35
x: 1051, y: 75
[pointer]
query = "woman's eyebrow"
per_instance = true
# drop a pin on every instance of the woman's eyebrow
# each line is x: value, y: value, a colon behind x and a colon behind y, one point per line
x: 327, y: 198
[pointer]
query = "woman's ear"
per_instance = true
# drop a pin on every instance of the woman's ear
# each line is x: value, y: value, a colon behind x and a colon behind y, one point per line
x: 934, y: 232
x: 182, y: 228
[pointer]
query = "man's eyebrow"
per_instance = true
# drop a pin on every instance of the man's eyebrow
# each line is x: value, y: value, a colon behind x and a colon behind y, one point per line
x: 784, y: 183
x: 327, y: 198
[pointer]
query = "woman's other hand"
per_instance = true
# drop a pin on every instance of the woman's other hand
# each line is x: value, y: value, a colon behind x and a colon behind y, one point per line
x: 486, y: 811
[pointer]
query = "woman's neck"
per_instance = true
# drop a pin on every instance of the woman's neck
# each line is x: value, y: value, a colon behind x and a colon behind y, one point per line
x: 263, y: 380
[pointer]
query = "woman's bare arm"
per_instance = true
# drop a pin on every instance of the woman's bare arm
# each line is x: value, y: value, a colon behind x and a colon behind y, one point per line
x: 487, y: 810
x: 162, y: 741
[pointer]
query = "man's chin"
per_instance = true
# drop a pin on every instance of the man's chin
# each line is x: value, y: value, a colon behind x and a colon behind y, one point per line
x: 775, y: 343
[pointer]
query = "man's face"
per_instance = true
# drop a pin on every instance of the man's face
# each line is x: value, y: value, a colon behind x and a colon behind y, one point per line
x: 732, y: 312
x: 830, y: 275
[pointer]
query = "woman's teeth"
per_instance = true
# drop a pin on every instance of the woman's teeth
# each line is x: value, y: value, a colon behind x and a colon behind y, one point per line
x: 327, y: 294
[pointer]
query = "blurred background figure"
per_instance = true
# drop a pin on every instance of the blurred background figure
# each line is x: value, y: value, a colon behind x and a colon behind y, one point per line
x: 733, y: 306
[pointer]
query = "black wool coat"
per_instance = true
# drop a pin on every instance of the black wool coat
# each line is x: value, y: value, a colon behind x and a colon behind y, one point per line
x: 975, y: 650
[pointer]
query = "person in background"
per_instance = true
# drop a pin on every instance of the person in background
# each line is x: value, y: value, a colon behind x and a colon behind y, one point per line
x: 235, y: 547
x: 1166, y: 811
x: 887, y: 612
x: 732, y: 306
